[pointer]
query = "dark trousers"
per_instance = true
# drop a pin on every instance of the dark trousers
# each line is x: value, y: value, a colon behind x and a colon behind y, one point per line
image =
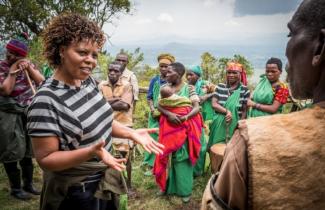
x: 82, y: 198
x: 14, y: 174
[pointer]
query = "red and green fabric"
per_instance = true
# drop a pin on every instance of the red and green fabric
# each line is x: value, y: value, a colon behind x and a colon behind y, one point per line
x: 173, y: 137
x: 179, y: 181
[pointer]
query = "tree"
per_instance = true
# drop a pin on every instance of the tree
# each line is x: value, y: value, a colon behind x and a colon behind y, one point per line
x: 135, y: 58
x: 209, y: 67
x: 145, y: 74
x: 31, y: 16
x: 214, y: 69
x: 104, y: 59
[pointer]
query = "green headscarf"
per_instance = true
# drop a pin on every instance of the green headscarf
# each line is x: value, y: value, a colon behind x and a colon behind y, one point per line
x: 196, y: 69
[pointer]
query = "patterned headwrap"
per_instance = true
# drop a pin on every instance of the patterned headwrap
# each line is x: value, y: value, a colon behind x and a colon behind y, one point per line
x: 166, y: 58
x: 196, y: 69
x: 19, y: 45
x: 235, y: 66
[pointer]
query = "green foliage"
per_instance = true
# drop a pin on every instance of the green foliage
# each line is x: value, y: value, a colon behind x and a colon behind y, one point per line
x: 135, y: 58
x: 104, y: 59
x: 141, y: 113
x: 247, y: 65
x: 209, y: 66
x: 31, y: 16
x: 214, y: 69
x: 35, y: 52
x: 145, y: 74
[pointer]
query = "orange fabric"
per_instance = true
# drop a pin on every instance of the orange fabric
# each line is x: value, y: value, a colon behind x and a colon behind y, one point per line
x: 234, y: 66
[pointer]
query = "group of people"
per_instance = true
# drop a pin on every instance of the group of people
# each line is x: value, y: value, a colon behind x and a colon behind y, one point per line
x: 80, y: 131
x: 184, y: 110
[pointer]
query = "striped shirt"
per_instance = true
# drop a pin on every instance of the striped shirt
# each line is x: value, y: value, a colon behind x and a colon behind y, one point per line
x: 78, y: 116
x: 223, y: 92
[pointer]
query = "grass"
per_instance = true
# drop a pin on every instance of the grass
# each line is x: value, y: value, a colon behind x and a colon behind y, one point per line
x: 144, y: 199
x: 8, y: 202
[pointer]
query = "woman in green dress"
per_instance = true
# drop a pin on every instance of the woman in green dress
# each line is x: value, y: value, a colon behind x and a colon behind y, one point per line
x: 205, y: 91
x: 270, y: 94
x: 152, y: 98
x: 230, y: 104
x: 179, y: 181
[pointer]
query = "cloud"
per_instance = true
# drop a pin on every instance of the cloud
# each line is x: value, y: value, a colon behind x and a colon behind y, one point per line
x: 209, y: 3
x: 143, y: 21
x: 264, y: 7
x: 231, y: 23
x: 212, y: 3
x: 165, y: 17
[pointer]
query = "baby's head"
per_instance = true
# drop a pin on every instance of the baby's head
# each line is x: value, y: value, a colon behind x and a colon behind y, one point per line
x: 166, y: 91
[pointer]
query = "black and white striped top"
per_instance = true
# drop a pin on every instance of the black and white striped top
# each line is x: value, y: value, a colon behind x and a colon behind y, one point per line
x: 223, y: 92
x: 79, y: 117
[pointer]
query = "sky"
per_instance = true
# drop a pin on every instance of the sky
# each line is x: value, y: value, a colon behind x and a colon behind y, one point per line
x: 203, y: 21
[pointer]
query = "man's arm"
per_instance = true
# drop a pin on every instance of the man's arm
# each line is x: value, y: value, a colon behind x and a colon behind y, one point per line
x: 126, y: 99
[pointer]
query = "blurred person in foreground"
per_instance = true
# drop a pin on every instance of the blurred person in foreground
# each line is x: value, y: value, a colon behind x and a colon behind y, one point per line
x: 277, y: 162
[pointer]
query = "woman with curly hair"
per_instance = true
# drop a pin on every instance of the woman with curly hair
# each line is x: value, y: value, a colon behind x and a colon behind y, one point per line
x: 71, y: 124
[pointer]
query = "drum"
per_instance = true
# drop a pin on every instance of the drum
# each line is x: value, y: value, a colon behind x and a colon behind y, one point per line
x: 216, y: 156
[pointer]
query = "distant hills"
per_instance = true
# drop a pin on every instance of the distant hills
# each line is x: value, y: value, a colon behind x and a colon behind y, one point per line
x: 189, y: 52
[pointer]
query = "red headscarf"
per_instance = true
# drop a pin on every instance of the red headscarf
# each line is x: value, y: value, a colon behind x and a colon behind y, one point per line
x: 235, y: 66
x: 19, y: 45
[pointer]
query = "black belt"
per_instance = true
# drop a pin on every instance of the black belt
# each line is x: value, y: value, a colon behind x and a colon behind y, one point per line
x: 83, y: 185
x: 215, y: 196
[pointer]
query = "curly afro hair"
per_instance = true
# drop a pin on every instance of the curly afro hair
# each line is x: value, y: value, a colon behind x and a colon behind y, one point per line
x: 66, y: 29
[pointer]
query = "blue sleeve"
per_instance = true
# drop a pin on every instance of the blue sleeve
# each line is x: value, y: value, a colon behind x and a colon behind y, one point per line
x: 150, y: 90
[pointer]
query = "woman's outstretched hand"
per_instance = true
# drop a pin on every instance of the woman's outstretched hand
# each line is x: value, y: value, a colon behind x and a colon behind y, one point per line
x: 107, y: 158
x: 141, y: 136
